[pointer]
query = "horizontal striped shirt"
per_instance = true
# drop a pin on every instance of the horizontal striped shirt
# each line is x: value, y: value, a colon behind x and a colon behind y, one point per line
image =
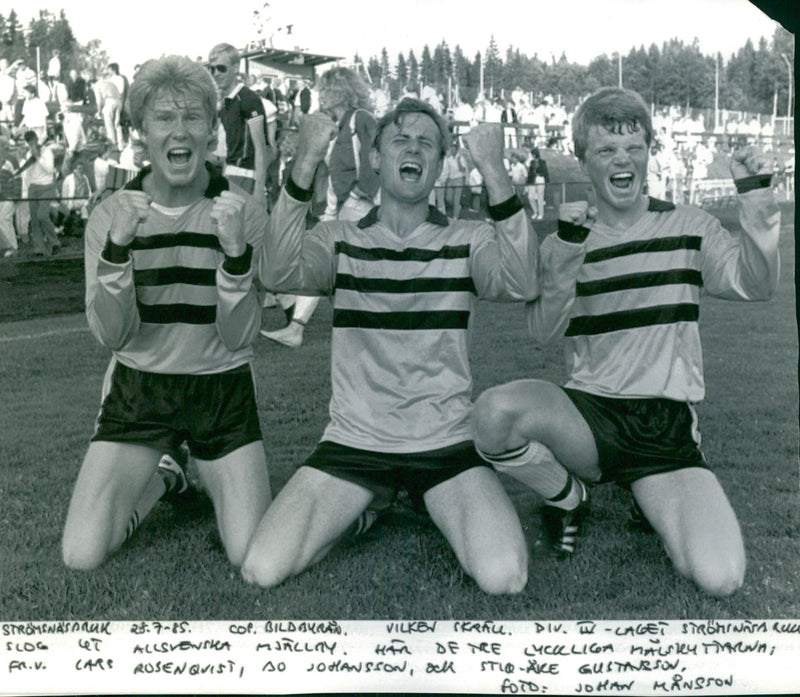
x: 402, y: 313
x: 628, y: 303
x: 172, y: 307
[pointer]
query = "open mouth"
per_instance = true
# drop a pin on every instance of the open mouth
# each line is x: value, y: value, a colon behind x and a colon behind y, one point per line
x: 410, y: 171
x: 179, y: 157
x: 622, y: 180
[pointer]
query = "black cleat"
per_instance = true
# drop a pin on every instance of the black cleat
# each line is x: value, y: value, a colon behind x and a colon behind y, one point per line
x: 560, y: 527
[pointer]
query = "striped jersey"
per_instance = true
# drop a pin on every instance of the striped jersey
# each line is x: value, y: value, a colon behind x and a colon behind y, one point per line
x: 402, y: 314
x: 172, y: 307
x: 628, y: 303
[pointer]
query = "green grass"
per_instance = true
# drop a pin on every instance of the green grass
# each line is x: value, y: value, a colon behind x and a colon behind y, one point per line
x: 175, y: 568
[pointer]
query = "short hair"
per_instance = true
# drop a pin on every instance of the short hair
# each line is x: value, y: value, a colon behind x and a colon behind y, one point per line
x: 114, y: 67
x: 174, y: 75
x: 410, y: 105
x: 350, y: 83
x: 231, y: 53
x: 612, y: 108
x: 30, y: 136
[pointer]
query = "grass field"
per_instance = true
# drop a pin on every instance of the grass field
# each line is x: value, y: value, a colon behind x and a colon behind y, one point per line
x: 175, y: 568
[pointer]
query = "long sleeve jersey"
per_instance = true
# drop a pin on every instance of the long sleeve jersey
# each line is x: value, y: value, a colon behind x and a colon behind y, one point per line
x: 173, y: 303
x: 628, y: 303
x: 402, y: 313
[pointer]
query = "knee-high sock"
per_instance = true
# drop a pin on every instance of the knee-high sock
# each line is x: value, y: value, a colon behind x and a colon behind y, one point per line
x: 155, y: 489
x: 535, y: 465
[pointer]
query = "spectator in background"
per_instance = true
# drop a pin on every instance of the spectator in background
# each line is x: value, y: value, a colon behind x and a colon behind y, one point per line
x: 538, y: 178
x: 509, y: 118
x: 457, y: 168
x: 655, y: 175
x: 54, y: 68
x: 109, y: 108
x: 34, y: 114
x: 8, y: 190
x: 121, y: 83
x: 72, y: 110
x: 8, y: 94
x: 352, y: 182
x: 75, y: 193
x: 39, y: 174
x: 239, y: 105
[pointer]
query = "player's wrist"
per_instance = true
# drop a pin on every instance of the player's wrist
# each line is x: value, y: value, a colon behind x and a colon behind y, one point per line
x: 238, y: 264
x: 115, y: 253
x: 753, y: 182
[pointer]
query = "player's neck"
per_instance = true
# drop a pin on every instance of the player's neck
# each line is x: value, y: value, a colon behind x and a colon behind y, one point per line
x: 401, y: 217
x: 175, y: 196
x: 621, y: 219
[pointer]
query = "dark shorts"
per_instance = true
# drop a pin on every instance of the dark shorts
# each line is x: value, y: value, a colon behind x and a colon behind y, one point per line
x: 386, y: 473
x: 636, y: 438
x: 215, y: 414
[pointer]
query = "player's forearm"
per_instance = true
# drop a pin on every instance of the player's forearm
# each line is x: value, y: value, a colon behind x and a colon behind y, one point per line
x: 238, y: 302
x: 560, y: 259
x: 111, y: 303
x: 507, y: 271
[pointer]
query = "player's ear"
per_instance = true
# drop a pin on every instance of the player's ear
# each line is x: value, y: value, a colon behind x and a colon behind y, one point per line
x: 375, y: 159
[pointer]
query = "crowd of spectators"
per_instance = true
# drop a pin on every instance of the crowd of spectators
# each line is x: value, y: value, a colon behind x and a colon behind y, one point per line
x: 84, y: 120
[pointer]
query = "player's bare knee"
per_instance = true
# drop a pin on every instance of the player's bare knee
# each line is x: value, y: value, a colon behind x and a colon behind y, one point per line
x: 79, y: 557
x: 491, y: 420
x: 258, y: 573
x: 502, y: 577
x: 719, y: 580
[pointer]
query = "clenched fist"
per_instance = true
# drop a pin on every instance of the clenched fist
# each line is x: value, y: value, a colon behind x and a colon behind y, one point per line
x: 577, y: 212
x: 228, y: 212
x: 316, y: 133
x: 132, y: 209
x: 748, y: 161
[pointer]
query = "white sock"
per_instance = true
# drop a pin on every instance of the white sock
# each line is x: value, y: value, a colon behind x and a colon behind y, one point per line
x: 535, y: 465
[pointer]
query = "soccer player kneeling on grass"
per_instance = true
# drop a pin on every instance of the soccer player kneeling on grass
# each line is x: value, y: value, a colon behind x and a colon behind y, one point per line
x: 170, y: 290
x: 404, y: 281
x: 621, y: 284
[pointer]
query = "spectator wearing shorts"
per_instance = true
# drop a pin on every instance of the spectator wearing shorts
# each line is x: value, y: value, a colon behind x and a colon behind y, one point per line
x: 170, y: 290
x: 621, y: 286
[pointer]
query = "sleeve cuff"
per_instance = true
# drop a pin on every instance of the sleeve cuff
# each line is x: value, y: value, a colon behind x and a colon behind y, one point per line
x: 238, y: 266
x: 504, y: 210
x: 569, y: 232
x: 114, y: 253
x: 296, y: 192
x: 757, y: 181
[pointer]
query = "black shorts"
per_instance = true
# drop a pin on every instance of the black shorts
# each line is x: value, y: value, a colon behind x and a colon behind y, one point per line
x: 636, y: 438
x: 215, y: 414
x: 386, y: 473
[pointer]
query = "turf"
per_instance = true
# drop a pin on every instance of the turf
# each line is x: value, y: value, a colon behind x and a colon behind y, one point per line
x: 175, y: 568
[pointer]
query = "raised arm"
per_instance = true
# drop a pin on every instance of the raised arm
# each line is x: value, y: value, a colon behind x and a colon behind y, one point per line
x: 560, y: 258
x: 746, y: 266
x: 292, y: 260
x: 504, y: 268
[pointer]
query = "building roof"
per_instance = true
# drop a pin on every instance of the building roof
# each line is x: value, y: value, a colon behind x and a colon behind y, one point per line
x: 279, y: 56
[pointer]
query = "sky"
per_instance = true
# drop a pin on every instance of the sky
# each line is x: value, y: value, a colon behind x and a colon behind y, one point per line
x: 582, y: 29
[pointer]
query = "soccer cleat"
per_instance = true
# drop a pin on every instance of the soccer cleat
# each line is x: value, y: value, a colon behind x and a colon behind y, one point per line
x: 291, y: 335
x: 365, y: 522
x: 637, y: 519
x: 173, y: 471
x: 560, y: 527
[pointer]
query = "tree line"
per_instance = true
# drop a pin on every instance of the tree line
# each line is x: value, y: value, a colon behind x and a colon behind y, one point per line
x: 754, y: 79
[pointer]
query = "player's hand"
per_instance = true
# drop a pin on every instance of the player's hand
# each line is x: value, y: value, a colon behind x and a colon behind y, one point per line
x: 228, y: 213
x: 748, y: 161
x: 316, y: 133
x: 484, y: 143
x: 132, y: 209
x: 577, y: 213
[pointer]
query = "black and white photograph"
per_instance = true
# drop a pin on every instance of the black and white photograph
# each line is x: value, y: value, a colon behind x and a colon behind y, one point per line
x: 437, y: 347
